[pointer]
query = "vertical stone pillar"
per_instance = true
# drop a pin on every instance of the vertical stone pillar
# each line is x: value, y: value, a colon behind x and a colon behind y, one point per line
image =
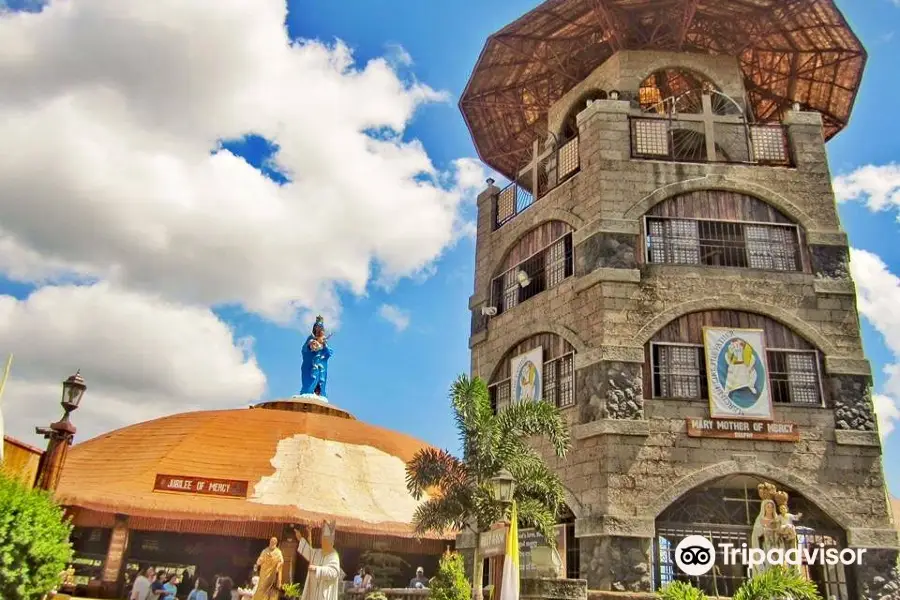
x: 878, y: 578
x: 115, y: 557
x: 481, y: 297
x: 289, y: 551
x: 616, y: 563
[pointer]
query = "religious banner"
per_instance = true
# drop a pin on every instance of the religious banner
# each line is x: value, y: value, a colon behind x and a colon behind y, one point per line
x: 204, y: 486
x: 527, y: 376
x: 737, y: 374
x: 529, y: 539
x: 493, y: 542
x: 736, y: 429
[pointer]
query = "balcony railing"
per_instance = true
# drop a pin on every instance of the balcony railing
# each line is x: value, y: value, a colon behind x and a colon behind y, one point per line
x: 765, y: 246
x: 691, y: 140
x: 550, y: 169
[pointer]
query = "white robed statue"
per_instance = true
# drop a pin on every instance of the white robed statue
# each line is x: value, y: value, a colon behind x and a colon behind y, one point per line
x: 323, y: 581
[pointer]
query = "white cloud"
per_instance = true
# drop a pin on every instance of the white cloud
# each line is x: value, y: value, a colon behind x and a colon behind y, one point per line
x: 112, y: 111
x: 395, y: 316
x: 878, y: 295
x: 876, y: 186
x: 142, y: 357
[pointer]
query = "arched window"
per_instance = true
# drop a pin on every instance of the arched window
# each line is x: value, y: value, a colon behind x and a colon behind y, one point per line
x: 723, y: 229
x: 558, y: 377
x: 677, y: 368
x: 672, y: 82
x: 540, y: 260
x: 724, y: 512
x: 570, y: 123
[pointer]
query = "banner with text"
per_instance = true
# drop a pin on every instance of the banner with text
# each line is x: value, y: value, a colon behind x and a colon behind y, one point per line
x: 204, y: 486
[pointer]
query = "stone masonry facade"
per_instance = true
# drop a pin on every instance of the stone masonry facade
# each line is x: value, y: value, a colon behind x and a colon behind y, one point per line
x: 631, y: 456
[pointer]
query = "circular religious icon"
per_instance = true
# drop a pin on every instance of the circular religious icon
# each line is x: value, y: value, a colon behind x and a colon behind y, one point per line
x: 528, y: 382
x: 740, y: 372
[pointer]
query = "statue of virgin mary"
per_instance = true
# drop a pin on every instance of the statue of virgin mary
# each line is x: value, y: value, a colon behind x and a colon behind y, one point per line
x: 314, y: 370
x: 765, y: 531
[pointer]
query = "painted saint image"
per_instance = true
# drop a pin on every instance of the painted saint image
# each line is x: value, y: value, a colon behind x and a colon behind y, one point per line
x: 742, y: 371
x: 528, y: 381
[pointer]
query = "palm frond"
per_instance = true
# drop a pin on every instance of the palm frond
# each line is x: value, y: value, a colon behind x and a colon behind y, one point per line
x: 778, y: 582
x: 430, y: 468
x: 680, y: 590
x: 474, y: 420
x: 438, y: 515
x: 534, y: 479
x: 526, y: 419
x: 533, y: 513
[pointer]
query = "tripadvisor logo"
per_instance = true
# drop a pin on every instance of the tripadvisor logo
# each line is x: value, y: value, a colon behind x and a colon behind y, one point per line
x: 695, y: 556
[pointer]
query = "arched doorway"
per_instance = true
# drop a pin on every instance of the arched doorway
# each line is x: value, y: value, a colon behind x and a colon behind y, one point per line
x: 723, y: 511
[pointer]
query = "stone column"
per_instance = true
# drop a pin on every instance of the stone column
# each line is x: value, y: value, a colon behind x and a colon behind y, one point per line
x: 115, y: 557
x: 616, y: 563
x: 878, y: 578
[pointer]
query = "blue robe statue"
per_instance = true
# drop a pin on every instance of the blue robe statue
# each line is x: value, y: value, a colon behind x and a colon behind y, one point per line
x: 314, y: 370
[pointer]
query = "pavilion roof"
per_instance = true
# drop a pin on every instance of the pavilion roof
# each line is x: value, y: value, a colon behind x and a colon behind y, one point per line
x: 300, y: 467
x: 788, y: 50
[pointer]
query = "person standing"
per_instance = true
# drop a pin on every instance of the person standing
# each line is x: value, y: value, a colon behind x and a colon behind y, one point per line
x: 324, y: 577
x: 419, y: 581
x: 158, y: 586
x: 141, y: 588
x: 199, y: 591
x: 171, y: 587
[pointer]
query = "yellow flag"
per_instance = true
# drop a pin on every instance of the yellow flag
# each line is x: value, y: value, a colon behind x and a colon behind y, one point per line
x: 509, y: 587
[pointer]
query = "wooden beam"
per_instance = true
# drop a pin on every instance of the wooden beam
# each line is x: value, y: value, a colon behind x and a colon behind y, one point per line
x: 687, y: 17
x: 610, y: 23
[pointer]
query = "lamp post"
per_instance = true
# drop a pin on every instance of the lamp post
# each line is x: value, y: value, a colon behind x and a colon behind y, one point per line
x: 503, y: 487
x: 60, y: 434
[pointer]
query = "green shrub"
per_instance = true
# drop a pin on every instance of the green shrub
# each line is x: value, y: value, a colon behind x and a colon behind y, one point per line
x: 376, y: 596
x: 679, y: 590
x: 292, y: 590
x: 34, y: 542
x: 450, y: 582
x: 778, y: 582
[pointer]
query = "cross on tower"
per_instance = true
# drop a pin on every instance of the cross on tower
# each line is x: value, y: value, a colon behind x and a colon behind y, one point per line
x: 709, y: 119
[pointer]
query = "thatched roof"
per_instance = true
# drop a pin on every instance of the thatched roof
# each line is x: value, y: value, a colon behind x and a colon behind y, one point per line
x: 301, y: 467
x: 788, y: 50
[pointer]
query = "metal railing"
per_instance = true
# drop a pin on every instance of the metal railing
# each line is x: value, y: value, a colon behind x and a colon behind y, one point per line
x: 752, y: 245
x: 685, y: 140
x: 550, y: 169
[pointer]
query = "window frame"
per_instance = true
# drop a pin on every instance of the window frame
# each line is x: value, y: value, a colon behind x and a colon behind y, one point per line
x: 743, y: 223
x: 498, y: 292
x: 816, y: 354
x: 558, y: 361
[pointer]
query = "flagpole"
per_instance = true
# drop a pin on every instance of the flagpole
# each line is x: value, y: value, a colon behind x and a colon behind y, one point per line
x: 9, y: 360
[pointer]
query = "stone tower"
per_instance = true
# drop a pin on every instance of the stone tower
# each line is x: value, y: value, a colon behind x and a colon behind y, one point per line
x: 670, y: 194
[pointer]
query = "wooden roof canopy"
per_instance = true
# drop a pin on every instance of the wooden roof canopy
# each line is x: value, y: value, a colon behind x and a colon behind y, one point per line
x: 789, y: 51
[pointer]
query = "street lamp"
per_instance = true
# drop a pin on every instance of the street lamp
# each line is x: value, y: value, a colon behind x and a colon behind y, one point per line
x: 503, y: 485
x: 60, y: 434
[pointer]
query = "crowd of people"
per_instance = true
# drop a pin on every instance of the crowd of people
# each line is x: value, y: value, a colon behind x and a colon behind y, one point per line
x: 158, y: 585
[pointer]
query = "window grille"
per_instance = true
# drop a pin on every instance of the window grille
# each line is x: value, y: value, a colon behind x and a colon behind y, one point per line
x: 723, y: 244
x: 545, y: 269
x: 679, y: 371
x: 559, y: 384
x: 650, y: 138
x: 769, y: 144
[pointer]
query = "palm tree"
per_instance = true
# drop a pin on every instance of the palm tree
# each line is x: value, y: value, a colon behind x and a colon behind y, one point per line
x: 490, y: 443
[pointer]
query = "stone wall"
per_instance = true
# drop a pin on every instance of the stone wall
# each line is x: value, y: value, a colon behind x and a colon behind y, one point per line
x: 632, y: 456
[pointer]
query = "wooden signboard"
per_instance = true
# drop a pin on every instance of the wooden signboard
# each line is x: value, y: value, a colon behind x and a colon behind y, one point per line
x: 530, y: 539
x: 493, y: 542
x: 203, y: 486
x: 736, y: 429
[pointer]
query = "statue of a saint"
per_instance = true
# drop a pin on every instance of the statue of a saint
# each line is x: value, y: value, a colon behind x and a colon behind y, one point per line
x: 269, y: 563
x: 316, y: 352
x: 324, y: 577
x: 787, y: 531
x: 764, y: 534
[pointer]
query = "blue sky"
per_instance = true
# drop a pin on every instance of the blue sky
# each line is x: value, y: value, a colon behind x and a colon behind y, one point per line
x: 392, y: 375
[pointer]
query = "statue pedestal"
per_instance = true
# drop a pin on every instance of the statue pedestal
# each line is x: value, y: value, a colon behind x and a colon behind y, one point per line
x: 313, y: 397
x: 544, y: 588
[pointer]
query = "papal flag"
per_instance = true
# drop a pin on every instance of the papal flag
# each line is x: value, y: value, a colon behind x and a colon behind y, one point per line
x: 3, y: 385
x: 509, y: 588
